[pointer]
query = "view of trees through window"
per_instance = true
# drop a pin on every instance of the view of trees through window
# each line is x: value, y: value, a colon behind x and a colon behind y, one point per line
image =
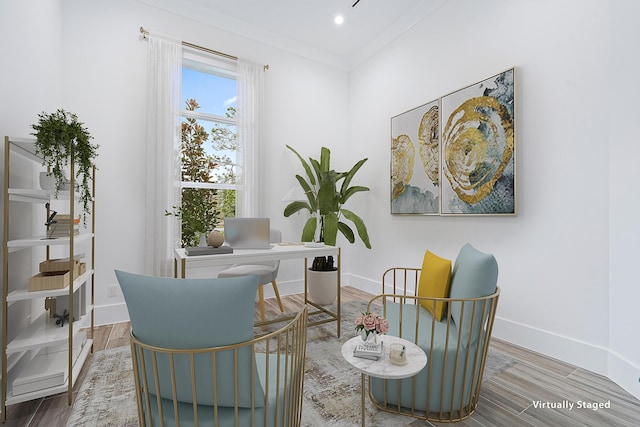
x: 207, y: 154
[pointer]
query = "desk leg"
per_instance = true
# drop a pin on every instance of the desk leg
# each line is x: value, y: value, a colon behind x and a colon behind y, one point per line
x: 305, y: 281
x: 362, y: 399
x: 339, y: 284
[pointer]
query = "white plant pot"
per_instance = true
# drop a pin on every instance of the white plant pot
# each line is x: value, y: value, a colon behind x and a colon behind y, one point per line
x: 47, y: 181
x: 322, y: 286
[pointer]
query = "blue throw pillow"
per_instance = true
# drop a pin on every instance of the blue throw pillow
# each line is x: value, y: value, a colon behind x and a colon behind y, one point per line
x: 475, y: 274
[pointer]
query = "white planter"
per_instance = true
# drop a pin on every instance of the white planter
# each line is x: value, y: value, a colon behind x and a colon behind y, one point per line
x: 47, y: 181
x: 322, y: 286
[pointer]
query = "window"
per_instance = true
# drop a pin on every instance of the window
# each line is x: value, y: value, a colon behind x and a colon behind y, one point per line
x: 208, y: 151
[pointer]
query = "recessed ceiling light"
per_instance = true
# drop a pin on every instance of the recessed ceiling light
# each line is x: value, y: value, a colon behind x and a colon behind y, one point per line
x: 339, y: 20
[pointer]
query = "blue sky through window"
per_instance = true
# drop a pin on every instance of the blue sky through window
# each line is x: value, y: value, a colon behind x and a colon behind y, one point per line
x: 214, y: 93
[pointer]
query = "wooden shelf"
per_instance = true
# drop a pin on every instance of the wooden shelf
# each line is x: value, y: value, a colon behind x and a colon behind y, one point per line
x: 44, y: 332
x: 37, y: 196
x: 38, y: 358
x: 63, y: 388
x: 29, y: 196
x: 25, y: 147
x: 25, y: 294
x: 31, y: 242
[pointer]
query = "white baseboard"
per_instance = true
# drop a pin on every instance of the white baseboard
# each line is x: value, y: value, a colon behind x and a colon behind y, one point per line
x: 112, y: 313
x: 285, y: 288
x: 566, y: 349
x: 624, y: 373
x: 362, y: 283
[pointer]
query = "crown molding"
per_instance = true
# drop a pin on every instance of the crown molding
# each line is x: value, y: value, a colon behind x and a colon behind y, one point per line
x: 345, y: 63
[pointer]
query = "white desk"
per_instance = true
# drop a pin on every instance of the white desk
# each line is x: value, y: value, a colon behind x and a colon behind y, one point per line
x: 383, y: 368
x: 182, y: 262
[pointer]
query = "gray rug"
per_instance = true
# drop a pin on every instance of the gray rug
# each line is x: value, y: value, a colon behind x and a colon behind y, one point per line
x: 331, y: 387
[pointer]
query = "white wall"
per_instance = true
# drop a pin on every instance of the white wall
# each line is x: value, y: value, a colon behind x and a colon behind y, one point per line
x: 554, y: 256
x: 624, y: 193
x: 30, y: 56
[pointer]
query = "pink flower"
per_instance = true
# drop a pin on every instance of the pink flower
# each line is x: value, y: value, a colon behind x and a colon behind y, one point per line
x: 382, y: 325
x: 372, y: 322
x: 369, y: 321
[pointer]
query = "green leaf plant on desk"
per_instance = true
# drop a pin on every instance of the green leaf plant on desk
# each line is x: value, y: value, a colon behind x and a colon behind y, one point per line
x: 327, y: 191
x: 197, y: 215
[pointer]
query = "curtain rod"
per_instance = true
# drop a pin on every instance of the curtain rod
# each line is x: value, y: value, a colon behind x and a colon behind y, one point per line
x: 145, y: 34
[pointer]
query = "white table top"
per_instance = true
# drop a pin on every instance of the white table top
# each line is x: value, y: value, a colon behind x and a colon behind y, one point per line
x: 243, y: 256
x: 383, y: 368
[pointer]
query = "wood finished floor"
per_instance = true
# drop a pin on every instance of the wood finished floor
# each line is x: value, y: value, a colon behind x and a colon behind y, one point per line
x: 507, y: 399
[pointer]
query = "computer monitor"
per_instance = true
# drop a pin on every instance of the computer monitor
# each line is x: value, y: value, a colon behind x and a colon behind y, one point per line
x: 247, y: 233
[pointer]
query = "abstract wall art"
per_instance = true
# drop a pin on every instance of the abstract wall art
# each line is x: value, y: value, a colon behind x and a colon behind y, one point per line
x: 456, y: 155
x: 478, y: 148
x: 415, y: 161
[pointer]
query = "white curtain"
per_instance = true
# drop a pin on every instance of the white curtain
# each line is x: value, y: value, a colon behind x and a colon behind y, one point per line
x: 250, y: 87
x: 164, y: 80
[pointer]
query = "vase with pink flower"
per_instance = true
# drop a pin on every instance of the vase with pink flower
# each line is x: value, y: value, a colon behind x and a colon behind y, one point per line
x: 370, y: 324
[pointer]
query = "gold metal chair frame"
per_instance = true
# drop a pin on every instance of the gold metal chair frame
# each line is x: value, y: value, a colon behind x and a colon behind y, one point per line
x: 287, y: 343
x: 397, y: 279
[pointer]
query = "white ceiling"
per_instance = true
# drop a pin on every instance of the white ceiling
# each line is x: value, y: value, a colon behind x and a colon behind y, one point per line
x: 306, y: 27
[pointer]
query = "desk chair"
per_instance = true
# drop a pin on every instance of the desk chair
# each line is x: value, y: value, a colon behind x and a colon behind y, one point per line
x: 267, y: 273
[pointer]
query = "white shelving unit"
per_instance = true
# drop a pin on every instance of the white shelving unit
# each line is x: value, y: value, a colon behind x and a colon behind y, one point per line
x: 42, y: 358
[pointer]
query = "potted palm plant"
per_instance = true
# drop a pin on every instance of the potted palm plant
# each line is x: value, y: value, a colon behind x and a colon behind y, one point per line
x: 60, y: 137
x: 327, y: 191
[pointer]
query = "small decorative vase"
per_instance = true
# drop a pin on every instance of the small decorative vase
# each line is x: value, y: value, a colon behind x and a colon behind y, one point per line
x: 370, y: 336
x: 215, y: 239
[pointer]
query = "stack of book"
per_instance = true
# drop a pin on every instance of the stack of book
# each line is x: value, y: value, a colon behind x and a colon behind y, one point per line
x: 368, y: 350
x: 207, y: 250
x: 62, y: 225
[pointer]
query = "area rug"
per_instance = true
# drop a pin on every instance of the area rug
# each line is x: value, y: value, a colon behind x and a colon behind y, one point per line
x: 331, y: 386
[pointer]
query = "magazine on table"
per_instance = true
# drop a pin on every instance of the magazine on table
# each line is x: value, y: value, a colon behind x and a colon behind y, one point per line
x: 368, y: 350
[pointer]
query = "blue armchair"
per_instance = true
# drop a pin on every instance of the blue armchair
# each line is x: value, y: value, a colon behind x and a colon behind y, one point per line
x: 448, y: 388
x: 196, y: 361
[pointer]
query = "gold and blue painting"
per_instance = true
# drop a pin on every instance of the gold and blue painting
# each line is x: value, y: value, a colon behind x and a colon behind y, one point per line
x: 415, y: 161
x: 478, y: 148
x: 456, y: 155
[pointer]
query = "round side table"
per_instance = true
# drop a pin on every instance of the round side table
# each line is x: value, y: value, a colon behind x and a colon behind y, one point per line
x: 383, y: 368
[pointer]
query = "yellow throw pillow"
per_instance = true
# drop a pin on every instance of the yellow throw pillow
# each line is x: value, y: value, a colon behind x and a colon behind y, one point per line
x: 435, y: 280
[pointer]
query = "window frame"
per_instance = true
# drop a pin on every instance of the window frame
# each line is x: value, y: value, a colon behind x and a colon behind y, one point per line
x: 195, y: 211
x: 207, y: 63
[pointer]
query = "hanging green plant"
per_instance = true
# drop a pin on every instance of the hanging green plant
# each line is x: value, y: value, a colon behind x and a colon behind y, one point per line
x: 60, y: 137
